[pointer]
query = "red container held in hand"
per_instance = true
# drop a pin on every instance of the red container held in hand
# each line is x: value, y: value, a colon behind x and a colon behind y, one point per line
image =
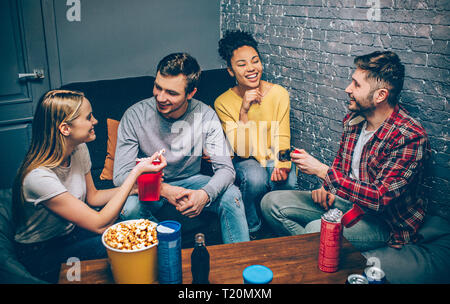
x: 330, y: 245
x: 149, y: 184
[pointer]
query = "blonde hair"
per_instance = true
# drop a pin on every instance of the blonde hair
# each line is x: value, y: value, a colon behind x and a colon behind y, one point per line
x: 48, y: 145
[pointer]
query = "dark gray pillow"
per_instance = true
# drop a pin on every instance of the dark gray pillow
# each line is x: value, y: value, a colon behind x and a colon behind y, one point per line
x: 423, y: 263
x: 11, y: 270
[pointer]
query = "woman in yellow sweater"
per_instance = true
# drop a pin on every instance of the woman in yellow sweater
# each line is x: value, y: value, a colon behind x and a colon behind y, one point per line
x: 255, y: 117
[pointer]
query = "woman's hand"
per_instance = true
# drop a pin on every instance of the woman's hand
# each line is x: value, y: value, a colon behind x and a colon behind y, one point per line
x: 280, y: 174
x: 146, y: 164
x: 250, y: 97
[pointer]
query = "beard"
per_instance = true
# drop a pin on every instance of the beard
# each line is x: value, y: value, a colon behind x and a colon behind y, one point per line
x: 362, y: 106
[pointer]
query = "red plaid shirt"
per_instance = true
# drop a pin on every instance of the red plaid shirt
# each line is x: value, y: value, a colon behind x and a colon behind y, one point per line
x: 390, y: 173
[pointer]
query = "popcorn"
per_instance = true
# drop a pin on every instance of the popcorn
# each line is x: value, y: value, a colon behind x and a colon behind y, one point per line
x: 157, y: 159
x: 161, y: 152
x: 131, y: 235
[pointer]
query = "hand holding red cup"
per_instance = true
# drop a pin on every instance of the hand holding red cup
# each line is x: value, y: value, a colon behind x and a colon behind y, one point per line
x: 149, y: 182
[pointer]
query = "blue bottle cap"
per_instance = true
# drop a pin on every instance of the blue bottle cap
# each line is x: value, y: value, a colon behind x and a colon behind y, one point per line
x: 168, y: 230
x: 257, y: 274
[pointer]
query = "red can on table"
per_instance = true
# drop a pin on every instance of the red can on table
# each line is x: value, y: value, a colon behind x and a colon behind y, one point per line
x: 149, y: 184
x: 330, y: 245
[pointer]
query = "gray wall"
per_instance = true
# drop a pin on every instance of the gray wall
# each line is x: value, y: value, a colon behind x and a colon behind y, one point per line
x: 308, y: 46
x: 86, y: 40
x: 116, y: 38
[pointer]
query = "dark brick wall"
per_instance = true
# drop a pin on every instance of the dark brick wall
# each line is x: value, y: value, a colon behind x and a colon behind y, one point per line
x: 308, y: 46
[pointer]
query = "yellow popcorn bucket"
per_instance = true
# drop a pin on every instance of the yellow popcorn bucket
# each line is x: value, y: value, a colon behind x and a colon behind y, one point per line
x: 137, y: 266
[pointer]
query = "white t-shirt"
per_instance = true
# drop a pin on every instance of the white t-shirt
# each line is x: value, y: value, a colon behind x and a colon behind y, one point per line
x: 42, y: 184
x: 356, y: 158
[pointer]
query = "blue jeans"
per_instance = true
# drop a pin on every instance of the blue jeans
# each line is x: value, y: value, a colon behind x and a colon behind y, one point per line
x: 44, y: 259
x: 254, y: 182
x: 294, y: 212
x: 228, y: 206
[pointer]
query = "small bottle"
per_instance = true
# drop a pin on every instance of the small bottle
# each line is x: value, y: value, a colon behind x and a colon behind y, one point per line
x: 200, y: 261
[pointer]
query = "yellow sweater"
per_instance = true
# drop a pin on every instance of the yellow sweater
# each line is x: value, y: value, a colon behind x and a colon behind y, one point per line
x: 267, y: 130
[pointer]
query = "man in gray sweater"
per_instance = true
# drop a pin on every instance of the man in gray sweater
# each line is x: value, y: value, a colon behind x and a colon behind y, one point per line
x: 185, y: 128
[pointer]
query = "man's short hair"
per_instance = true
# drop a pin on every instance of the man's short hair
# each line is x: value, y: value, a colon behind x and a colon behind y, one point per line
x: 181, y: 63
x: 384, y: 67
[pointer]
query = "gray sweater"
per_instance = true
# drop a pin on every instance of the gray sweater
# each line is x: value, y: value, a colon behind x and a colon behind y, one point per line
x: 143, y: 131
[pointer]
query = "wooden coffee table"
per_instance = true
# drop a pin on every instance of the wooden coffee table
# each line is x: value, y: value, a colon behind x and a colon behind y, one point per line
x: 292, y: 259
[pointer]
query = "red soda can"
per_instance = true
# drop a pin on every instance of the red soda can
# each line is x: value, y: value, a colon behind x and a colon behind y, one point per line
x: 149, y: 184
x: 330, y: 241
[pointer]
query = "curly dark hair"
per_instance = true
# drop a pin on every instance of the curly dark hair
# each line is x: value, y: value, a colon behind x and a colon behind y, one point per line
x: 385, y: 67
x: 233, y: 40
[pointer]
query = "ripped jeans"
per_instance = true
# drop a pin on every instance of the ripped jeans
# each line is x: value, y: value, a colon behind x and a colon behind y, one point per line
x: 228, y: 206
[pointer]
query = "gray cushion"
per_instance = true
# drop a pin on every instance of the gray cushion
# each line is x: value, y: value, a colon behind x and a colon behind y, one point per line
x: 11, y: 270
x: 428, y: 261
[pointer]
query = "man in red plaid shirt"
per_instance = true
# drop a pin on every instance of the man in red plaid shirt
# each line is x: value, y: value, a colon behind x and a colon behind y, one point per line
x: 379, y: 165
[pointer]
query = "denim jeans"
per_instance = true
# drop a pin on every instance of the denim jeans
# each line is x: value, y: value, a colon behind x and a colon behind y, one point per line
x: 43, y: 260
x: 254, y: 182
x: 228, y: 206
x: 294, y: 212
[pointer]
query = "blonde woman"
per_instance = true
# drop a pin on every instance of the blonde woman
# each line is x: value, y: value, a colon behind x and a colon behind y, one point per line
x: 54, y: 193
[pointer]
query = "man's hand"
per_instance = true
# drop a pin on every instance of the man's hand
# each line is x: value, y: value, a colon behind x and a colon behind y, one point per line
x: 308, y: 164
x: 171, y: 193
x: 323, y: 198
x: 193, y: 202
x: 280, y: 174
x: 134, y: 190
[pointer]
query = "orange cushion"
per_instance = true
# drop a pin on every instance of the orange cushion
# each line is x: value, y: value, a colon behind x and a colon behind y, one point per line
x: 107, y: 172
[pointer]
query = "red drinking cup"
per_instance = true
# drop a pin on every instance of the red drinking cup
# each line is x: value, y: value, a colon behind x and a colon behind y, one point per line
x: 149, y: 184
